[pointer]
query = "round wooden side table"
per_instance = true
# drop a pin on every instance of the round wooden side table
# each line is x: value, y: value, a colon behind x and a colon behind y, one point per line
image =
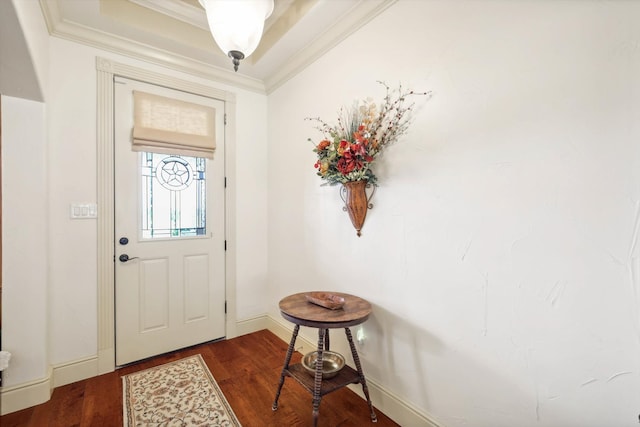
x: 298, y: 310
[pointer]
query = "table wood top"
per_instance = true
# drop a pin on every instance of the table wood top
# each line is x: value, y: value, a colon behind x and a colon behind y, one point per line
x: 297, y: 309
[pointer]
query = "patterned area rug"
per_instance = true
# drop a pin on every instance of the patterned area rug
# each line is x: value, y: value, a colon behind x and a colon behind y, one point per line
x: 180, y: 393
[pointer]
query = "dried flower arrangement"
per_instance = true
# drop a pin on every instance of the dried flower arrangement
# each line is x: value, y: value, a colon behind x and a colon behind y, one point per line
x: 362, y: 133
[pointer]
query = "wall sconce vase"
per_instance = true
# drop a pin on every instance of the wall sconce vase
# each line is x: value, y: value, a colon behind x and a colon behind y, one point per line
x: 356, y: 201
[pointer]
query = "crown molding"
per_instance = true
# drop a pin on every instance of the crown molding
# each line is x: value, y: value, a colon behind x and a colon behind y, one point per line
x: 178, y: 10
x: 349, y: 23
x: 59, y: 27
x: 363, y: 12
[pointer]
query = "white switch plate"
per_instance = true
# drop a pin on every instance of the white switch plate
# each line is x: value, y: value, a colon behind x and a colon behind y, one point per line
x: 83, y: 210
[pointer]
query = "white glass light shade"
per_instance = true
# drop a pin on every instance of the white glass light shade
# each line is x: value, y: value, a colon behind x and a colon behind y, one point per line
x: 237, y: 25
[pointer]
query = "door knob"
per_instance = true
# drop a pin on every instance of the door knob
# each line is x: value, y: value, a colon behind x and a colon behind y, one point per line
x: 125, y: 258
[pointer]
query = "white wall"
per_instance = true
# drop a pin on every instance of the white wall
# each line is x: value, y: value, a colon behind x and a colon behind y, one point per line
x: 49, y: 264
x: 25, y: 260
x: 72, y: 179
x: 501, y: 254
x: 23, y: 75
x: 72, y: 109
x: 37, y: 38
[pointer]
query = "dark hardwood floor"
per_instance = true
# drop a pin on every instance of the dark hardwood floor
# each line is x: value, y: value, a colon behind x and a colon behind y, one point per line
x: 246, y: 368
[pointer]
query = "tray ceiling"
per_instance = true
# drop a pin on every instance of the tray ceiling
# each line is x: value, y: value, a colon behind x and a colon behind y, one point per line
x: 174, y: 33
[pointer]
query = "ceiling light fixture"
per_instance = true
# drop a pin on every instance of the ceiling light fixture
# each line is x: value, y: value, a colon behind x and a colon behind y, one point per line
x: 237, y: 25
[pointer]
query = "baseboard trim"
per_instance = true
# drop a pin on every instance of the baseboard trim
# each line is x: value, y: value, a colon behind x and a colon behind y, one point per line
x: 78, y: 370
x: 33, y: 393
x: 26, y: 395
x: 254, y: 324
x: 391, y: 404
x: 394, y: 407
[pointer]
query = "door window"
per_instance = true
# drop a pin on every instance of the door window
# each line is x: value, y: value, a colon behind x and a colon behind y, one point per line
x: 173, y: 192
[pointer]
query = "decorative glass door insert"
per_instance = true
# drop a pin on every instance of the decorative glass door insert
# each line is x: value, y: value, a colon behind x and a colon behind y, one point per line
x: 173, y: 190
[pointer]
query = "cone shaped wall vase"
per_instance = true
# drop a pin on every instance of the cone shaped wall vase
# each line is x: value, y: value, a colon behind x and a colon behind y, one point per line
x: 356, y: 202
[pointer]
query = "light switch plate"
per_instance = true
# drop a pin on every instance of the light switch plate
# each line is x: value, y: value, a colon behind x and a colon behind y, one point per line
x: 83, y: 210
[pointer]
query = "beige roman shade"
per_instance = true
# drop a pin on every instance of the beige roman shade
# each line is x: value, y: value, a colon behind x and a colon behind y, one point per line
x: 170, y: 126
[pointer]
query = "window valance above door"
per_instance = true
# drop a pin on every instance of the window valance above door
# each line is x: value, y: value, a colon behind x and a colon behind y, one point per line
x: 170, y: 126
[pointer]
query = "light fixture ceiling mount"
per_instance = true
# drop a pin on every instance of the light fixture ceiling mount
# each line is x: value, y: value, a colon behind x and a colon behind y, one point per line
x: 237, y: 25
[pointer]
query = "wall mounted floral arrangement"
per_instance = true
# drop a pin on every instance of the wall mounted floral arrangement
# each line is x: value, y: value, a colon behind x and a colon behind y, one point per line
x: 351, y: 146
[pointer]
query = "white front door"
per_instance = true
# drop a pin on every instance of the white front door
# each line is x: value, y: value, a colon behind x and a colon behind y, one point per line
x: 169, y: 224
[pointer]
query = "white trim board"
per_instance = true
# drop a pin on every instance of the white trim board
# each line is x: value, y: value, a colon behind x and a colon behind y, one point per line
x: 106, y: 70
x: 362, y: 13
x: 21, y: 396
x: 386, y: 401
x: 78, y: 370
x: 68, y: 30
x: 33, y: 393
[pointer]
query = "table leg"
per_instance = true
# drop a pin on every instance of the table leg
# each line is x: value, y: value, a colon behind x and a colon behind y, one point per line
x: 286, y: 365
x: 356, y: 359
x: 317, y: 383
x: 326, y: 340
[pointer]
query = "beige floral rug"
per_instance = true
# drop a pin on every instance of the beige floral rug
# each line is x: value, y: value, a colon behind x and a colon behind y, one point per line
x: 180, y: 393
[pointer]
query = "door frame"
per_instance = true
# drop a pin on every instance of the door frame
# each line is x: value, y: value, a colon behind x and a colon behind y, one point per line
x: 106, y: 71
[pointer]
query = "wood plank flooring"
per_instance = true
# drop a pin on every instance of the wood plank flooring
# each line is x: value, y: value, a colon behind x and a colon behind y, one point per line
x: 246, y: 368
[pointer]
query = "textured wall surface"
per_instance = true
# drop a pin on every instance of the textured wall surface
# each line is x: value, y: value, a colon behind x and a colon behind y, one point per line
x: 501, y: 253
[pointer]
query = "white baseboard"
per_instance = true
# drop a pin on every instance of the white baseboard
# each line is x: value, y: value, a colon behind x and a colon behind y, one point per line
x: 106, y: 360
x: 33, y: 393
x: 255, y: 324
x: 26, y: 395
x: 392, y: 405
x: 284, y: 330
x: 67, y: 373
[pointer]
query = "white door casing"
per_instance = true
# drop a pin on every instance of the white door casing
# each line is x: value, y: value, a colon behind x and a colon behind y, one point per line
x: 106, y: 71
x: 171, y: 294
